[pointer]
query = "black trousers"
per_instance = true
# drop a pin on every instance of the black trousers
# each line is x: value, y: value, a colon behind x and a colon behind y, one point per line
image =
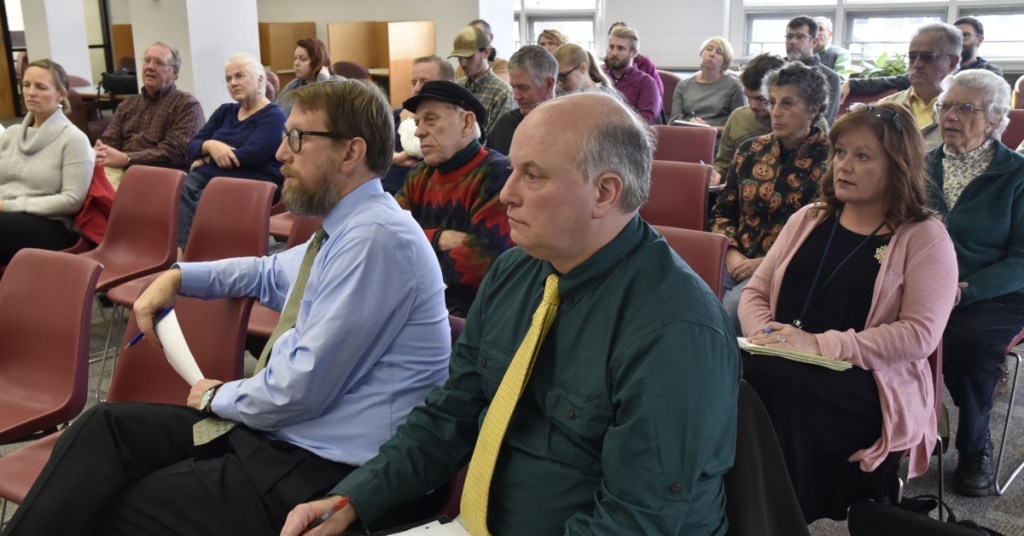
x: 19, y: 230
x: 131, y: 469
x: 974, y: 346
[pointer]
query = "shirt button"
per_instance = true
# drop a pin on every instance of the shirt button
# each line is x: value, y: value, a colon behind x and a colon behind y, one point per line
x: 572, y: 413
x: 677, y: 489
x: 483, y: 361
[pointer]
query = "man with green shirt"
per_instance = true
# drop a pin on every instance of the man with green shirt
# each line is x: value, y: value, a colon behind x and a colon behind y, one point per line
x: 627, y: 423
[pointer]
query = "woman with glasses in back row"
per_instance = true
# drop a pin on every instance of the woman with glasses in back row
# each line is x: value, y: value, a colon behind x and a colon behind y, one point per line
x: 979, y: 190
x: 866, y: 275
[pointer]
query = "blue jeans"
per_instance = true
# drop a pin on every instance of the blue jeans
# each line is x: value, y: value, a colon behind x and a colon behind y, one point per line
x: 191, y: 191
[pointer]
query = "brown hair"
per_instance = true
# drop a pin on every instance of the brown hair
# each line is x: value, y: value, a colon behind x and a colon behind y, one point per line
x: 318, y: 55
x: 558, y: 37
x: 906, y: 193
x: 60, y: 79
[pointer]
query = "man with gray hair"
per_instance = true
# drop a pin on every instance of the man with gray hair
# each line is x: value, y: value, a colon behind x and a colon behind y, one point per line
x: 617, y: 414
x: 934, y: 54
x: 363, y: 337
x: 833, y: 57
x: 453, y: 193
x: 155, y: 126
x: 532, y: 71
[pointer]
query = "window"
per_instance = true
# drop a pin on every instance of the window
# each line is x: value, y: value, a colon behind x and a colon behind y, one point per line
x: 1002, y: 32
x: 871, y: 34
x: 574, y: 18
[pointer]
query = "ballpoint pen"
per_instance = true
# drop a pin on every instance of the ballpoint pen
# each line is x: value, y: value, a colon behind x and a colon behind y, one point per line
x: 156, y: 318
x: 326, y: 515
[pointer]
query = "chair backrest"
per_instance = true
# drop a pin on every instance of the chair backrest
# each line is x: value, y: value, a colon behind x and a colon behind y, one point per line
x: 127, y: 63
x: 351, y: 69
x: 670, y: 81
x: 703, y: 251
x: 685, y: 144
x: 759, y: 497
x: 215, y: 332
x: 679, y: 195
x: 231, y: 220
x: 866, y: 98
x: 302, y: 229
x: 273, y: 85
x: 143, y: 228
x: 1014, y: 132
x: 45, y: 313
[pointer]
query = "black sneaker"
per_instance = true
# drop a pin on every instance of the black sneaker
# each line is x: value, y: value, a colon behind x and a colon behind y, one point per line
x: 974, y: 475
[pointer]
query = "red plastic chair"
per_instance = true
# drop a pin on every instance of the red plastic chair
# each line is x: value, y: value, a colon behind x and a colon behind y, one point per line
x: 281, y: 225
x: 45, y: 313
x: 142, y: 234
x: 1011, y: 351
x: 670, y: 81
x: 1014, y: 132
x: 351, y: 69
x: 685, y: 144
x: 263, y: 320
x: 679, y: 195
x: 704, y: 252
x: 866, y: 98
x: 215, y: 334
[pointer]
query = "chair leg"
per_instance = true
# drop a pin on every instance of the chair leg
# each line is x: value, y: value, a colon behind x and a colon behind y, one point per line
x: 938, y: 448
x: 1000, y: 489
x: 116, y: 321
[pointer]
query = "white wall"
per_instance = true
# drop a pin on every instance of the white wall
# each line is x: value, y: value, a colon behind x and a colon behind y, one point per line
x: 56, y: 30
x: 671, y: 31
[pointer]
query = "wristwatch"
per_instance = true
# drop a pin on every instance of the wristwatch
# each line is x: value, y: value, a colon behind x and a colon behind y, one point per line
x: 206, y: 402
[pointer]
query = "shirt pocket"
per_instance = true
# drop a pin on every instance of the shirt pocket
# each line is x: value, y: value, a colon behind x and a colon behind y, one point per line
x: 491, y: 364
x: 580, y: 421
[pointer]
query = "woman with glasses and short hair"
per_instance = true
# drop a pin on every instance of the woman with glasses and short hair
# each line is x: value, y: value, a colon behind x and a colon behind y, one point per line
x: 866, y: 275
x: 771, y: 176
x: 239, y: 140
x: 979, y: 190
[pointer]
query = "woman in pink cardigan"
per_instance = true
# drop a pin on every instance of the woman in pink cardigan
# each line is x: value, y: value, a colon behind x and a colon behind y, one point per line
x: 869, y: 276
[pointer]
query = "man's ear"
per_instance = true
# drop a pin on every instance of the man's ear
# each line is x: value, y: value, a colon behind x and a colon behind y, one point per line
x: 468, y: 120
x: 353, y: 154
x: 608, y: 189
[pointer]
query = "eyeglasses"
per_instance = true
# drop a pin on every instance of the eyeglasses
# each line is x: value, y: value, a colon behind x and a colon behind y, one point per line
x: 797, y: 36
x: 786, y: 105
x: 960, y: 107
x: 563, y: 76
x: 237, y: 77
x: 295, y: 135
x: 885, y: 114
x: 925, y: 57
x: 760, y: 100
x: 155, y: 61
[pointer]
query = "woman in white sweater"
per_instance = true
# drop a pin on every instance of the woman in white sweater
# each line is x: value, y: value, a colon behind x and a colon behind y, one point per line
x: 46, y: 165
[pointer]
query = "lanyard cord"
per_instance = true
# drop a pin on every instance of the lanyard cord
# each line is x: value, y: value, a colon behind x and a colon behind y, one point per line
x: 812, y: 296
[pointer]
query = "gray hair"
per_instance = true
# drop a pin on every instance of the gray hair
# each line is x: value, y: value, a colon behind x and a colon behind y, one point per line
x: 623, y: 143
x: 445, y: 68
x: 810, y: 83
x: 953, y: 37
x: 252, y: 65
x: 824, y: 23
x: 994, y: 91
x: 535, y: 60
x: 175, y: 55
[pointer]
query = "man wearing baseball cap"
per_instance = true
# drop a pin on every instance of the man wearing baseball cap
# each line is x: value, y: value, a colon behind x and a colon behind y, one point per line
x: 471, y: 47
x: 453, y: 193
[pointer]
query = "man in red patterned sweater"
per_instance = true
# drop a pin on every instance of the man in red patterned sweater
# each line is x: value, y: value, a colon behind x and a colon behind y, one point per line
x: 453, y: 193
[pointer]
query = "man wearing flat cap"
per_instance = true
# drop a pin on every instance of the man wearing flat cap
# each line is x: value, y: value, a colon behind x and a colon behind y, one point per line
x: 453, y: 193
x: 471, y: 47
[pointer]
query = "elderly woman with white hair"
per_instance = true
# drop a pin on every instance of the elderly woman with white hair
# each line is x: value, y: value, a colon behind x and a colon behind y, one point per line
x: 710, y: 95
x: 239, y: 140
x: 979, y: 191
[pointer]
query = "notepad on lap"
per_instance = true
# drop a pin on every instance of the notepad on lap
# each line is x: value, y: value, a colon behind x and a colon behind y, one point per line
x: 435, y: 528
x: 792, y: 355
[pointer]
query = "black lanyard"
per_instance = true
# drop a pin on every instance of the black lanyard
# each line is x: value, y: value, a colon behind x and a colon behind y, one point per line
x: 813, y: 296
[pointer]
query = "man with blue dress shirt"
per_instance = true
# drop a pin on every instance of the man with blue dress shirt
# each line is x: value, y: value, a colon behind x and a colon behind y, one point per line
x: 368, y: 338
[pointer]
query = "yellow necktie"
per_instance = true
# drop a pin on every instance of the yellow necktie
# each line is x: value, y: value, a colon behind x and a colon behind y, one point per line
x: 485, y: 455
x: 211, y: 428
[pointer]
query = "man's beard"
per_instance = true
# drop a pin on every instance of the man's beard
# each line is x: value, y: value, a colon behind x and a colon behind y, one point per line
x: 968, y: 52
x: 302, y: 201
x: 794, y: 54
x: 615, y: 64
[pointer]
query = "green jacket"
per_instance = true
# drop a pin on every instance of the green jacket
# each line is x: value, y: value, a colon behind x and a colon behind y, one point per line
x: 986, y: 224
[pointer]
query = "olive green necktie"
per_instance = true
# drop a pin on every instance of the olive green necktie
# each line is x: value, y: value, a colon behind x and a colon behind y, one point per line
x: 209, y: 429
x: 477, y: 490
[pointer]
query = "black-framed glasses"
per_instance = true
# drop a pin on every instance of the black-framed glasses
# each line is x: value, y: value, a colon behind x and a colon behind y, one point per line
x: 563, y: 76
x: 962, y: 108
x: 295, y: 136
x: 885, y: 114
x: 924, y: 57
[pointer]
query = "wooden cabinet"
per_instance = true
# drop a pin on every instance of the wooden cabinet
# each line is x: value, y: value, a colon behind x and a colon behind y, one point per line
x: 387, y: 49
x: 277, y: 45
